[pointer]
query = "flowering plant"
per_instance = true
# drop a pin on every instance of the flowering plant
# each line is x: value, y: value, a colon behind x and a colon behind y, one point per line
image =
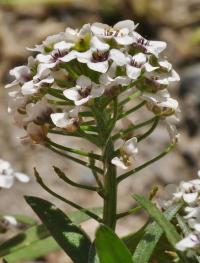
x: 84, y: 83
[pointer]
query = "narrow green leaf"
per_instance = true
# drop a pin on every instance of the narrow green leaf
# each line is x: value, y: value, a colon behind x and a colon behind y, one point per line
x: 70, y: 237
x: 35, y: 250
x: 23, y: 239
x: 151, y: 236
x: 35, y: 233
x: 170, y: 231
x: 110, y: 247
x: 93, y: 257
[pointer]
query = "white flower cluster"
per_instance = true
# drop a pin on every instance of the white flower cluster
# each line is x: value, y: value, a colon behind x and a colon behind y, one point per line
x: 189, y: 193
x: 8, y: 175
x: 74, y: 68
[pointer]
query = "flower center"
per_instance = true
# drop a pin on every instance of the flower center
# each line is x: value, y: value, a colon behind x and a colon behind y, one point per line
x: 57, y: 54
x: 100, y: 56
x: 85, y: 91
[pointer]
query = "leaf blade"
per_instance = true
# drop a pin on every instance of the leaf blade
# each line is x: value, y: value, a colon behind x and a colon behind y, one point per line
x: 70, y: 237
x: 110, y: 247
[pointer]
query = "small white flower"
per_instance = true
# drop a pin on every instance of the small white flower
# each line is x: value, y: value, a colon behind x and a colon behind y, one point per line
x: 192, y: 241
x: 148, y: 46
x: 8, y: 175
x: 96, y: 57
x: 161, y: 102
x: 10, y: 221
x: 22, y: 74
x: 43, y: 77
x: 84, y: 91
x: 35, y: 134
x: 121, y: 32
x: 128, y: 150
x: 48, y: 44
x: 173, y: 133
x: 136, y: 64
x: 38, y: 112
x: 110, y: 81
x: 67, y: 120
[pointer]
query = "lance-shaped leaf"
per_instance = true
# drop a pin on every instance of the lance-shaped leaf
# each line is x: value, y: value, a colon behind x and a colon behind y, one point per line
x: 34, y: 250
x: 170, y: 231
x: 151, y: 237
x: 110, y: 247
x: 70, y: 237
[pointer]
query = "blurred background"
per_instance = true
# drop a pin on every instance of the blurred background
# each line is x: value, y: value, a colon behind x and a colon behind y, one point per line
x: 25, y: 23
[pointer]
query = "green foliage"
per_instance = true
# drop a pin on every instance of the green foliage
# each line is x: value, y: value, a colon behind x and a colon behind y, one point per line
x: 70, y: 237
x: 110, y: 248
x: 151, y: 237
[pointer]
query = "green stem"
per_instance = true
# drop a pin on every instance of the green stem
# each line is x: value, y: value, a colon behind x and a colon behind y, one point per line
x: 124, y: 114
x: 129, y: 212
x: 133, y: 128
x: 151, y: 129
x: 110, y: 188
x: 74, y: 159
x: 78, y: 207
x: 76, y: 151
x: 133, y: 96
x: 137, y: 169
x: 62, y: 176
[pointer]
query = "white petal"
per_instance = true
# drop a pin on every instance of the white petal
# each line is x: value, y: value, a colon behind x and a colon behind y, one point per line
x: 60, y: 119
x: 84, y: 57
x: 156, y: 47
x: 6, y: 181
x: 101, y: 67
x: 174, y: 76
x: 140, y: 58
x: 130, y: 146
x: 125, y: 24
x: 117, y: 162
x: 97, y: 92
x: 165, y: 64
x: 29, y: 88
x: 62, y: 46
x: 72, y: 94
x: 82, y: 101
x: 118, y: 57
x: 133, y: 72
x: 149, y: 68
x: 22, y: 177
x: 119, y: 144
x: 44, y: 58
x: 98, y: 28
x: 190, y: 198
x: 10, y: 220
x: 70, y: 56
x: 96, y: 44
x: 83, y: 81
x: 124, y: 40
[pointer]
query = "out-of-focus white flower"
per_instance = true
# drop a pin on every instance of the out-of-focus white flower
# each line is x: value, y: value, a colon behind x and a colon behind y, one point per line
x: 161, y: 102
x: 43, y: 77
x: 69, y: 121
x: 22, y: 74
x: 146, y: 46
x: 48, y: 44
x: 173, y: 132
x: 192, y: 241
x: 38, y: 112
x: 35, y: 134
x: 84, y: 91
x: 121, y: 32
x: 127, y: 150
x: 10, y: 221
x: 8, y: 175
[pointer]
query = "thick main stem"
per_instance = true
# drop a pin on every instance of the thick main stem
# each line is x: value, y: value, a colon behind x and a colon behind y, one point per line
x: 110, y: 188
